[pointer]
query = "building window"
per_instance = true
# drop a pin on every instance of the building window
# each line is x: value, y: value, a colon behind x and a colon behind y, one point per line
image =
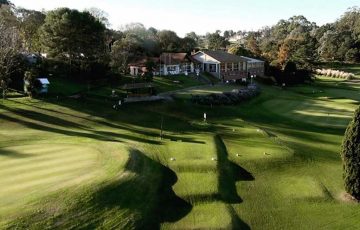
x: 171, y: 68
x: 230, y: 66
x: 236, y: 66
x: 222, y: 67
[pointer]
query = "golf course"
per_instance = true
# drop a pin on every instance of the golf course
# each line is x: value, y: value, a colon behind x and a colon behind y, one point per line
x: 270, y: 163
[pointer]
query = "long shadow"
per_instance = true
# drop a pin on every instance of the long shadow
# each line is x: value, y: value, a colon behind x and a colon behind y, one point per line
x: 30, y: 114
x: 151, y: 193
x: 229, y: 174
x: 96, y: 135
x: 13, y: 154
x: 62, y: 122
x: 142, y: 200
x: 236, y: 222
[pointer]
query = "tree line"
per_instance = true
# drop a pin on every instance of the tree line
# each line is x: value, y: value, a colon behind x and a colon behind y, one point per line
x: 81, y: 44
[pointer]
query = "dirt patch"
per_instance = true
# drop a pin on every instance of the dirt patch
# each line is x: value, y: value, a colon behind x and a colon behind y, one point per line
x: 346, y: 197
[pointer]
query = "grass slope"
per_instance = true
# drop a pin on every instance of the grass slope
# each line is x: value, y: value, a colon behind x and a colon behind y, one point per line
x: 267, y: 164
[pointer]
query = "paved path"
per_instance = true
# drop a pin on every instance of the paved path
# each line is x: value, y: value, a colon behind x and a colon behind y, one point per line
x: 145, y: 99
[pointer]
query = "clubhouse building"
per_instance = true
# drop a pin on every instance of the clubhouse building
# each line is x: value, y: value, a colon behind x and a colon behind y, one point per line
x: 220, y: 64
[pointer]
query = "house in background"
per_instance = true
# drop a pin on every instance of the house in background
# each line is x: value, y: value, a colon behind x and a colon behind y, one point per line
x: 223, y: 65
x: 139, y: 65
x: 255, y: 66
x: 175, y: 63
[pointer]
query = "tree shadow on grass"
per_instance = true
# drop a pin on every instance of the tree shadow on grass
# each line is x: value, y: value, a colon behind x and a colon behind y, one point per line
x: 229, y: 174
x: 76, y: 131
x: 63, y: 122
x: 236, y: 222
x: 140, y: 198
x: 13, y: 154
x: 149, y: 193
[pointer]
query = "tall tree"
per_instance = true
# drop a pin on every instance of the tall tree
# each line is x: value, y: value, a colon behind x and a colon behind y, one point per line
x: 9, y: 49
x: 119, y: 58
x: 100, y: 15
x: 29, y: 23
x: 5, y: 3
x: 169, y: 41
x: 187, y: 44
x: 350, y: 155
x: 73, y: 36
x: 215, y: 41
x: 148, y: 38
x: 239, y: 49
x: 252, y: 45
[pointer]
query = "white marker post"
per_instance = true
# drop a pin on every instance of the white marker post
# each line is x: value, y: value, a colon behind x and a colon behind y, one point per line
x: 205, y: 116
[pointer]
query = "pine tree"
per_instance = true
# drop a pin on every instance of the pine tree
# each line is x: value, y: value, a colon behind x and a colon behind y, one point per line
x: 350, y: 155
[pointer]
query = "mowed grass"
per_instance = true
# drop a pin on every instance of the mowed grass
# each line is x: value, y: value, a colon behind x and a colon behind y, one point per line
x: 270, y: 163
x: 176, y: 82
x: 35, y: 170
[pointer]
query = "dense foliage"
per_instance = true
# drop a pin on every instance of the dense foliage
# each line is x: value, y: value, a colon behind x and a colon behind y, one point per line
x: 9, y: 49
x: 351, y: 156
x: 301, y: 41
x: 75, y: 37
x: 79, y: 44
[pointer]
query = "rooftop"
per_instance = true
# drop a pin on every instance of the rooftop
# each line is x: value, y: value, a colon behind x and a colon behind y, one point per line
x: 252, y: 59
x: 223, y: 56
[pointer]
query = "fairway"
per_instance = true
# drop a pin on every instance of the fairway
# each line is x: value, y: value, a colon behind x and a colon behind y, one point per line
x: 317, y: 112
x: 269, y: 163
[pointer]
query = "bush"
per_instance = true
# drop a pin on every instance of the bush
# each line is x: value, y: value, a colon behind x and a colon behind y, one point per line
x: 227, y: 98
x: 350, y: 155
x: 335, y: 73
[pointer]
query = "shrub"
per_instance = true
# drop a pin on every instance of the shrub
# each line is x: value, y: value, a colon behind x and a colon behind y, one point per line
x: 350, y: 155
x: 227, y: 98
x: 335, y: 73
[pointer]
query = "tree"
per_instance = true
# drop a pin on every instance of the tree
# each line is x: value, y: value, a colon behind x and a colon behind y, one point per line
x: 350, y: 155
x: 29, y: 23
x: 119, y: 58
x: 228, y: 34
x: 9, y: 49
x: 215, y: 41
x: 187, y: 44
x: 192, y: 35
x: 100, y: 15
x: 5, y: 3
x: 74, y: 36
x: 148, y: 39
x: 169, y: 41
x: 239, y: 50
x: 252, y: 45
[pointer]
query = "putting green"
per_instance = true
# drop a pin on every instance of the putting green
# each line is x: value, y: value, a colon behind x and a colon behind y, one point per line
x: 33, y: 171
